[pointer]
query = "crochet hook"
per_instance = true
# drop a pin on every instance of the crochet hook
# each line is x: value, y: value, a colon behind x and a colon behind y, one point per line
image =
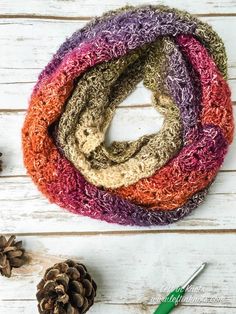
x: 175, y: 297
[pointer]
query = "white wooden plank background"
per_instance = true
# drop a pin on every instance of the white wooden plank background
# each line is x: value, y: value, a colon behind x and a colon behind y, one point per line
x: 85, y: 8
x: 28, y: 307
x: 137, y: 276
x: 131, y: 265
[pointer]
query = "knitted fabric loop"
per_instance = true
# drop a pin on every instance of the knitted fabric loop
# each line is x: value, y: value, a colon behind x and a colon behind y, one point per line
x: 158, y: 178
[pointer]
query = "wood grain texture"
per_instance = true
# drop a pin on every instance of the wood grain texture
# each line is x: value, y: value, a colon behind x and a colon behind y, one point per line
x: 35, y: 41
x: 29, y: 307
x: 137, y: 269
x: 78, y: 8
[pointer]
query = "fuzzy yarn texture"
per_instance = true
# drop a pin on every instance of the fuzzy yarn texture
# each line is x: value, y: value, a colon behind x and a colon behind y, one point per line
x: 159, y: 178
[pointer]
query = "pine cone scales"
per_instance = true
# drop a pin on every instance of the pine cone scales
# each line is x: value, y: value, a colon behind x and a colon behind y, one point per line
x: 11, y: 255
x: 67, y: 288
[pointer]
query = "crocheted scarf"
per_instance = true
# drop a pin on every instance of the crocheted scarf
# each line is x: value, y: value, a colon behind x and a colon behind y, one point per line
x: 158, y: 178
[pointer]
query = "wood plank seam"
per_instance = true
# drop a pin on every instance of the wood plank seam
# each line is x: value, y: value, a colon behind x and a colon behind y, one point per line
x: 88, y: 18
x: 123, y: 232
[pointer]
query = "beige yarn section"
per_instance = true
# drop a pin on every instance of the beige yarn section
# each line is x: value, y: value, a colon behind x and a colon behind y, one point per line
x: 90, y: 109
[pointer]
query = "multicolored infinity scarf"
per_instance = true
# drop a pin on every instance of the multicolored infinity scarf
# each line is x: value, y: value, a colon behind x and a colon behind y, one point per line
x: 158, y: 178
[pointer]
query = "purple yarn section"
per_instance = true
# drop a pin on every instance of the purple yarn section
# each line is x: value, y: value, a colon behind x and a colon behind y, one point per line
x: 140, y: 20
x: 181, y: 82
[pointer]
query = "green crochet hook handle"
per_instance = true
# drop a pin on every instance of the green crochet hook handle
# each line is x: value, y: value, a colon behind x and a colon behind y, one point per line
x: 175, y: 297
x: 171, y: 301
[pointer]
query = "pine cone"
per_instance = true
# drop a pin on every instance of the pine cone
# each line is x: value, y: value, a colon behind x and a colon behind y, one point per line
x: 11, y: 255
x: 67, y: 288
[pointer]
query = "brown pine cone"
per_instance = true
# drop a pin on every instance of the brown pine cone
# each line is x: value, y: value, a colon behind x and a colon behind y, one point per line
x: 11, y: 255
x: 67, y: 288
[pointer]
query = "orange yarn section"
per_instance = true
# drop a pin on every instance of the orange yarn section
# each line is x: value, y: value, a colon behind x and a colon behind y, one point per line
x: 45, y: 108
